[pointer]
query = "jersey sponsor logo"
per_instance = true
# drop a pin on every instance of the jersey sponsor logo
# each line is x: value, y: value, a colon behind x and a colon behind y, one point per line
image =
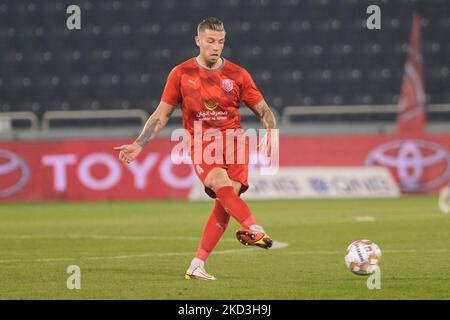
x: 227, y: 85
x: 210, y: 105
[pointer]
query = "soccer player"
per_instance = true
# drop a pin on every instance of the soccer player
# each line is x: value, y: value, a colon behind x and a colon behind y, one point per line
x: 201, y: 85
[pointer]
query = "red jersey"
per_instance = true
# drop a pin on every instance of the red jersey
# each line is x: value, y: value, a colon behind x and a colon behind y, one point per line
x: 210, y: 96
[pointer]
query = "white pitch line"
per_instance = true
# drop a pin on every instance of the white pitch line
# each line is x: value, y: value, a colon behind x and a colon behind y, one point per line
x: 365, y: 219
x: 126, y: 238
x: 323, y: 252
x: 102, y: 237
x: 276, y: 245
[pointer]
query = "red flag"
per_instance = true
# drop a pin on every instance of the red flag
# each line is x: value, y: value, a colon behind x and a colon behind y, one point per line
x: 411, y: 108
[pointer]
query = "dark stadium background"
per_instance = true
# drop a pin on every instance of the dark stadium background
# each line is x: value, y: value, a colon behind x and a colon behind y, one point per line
x: 300, y: 52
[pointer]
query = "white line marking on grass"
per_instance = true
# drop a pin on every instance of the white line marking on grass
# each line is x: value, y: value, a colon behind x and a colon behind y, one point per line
x: 365, y: 219
x: 101, y: 237
x: 323, y: 252
x: 276, y: 245
x: 279, y: 245
x: 317, y: 252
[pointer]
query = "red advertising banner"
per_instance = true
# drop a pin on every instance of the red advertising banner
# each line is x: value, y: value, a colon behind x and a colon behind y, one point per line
x: 420, y: 164
x: 90, y: 169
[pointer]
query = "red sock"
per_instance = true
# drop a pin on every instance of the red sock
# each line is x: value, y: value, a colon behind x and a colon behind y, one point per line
x: 214, y: 229
x: 235, y: 206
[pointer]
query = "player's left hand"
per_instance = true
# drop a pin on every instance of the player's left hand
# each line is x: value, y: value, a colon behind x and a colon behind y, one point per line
x: 268, y: 143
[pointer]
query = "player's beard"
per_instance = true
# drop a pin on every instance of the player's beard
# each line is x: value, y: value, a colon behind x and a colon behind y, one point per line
x: 213, y: 60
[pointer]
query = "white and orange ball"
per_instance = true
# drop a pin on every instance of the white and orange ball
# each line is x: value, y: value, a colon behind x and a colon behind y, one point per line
x: 362, y: 257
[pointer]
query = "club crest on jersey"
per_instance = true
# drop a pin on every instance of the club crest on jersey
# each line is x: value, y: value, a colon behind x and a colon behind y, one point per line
x: 227, y: 85
x: 210, y: 105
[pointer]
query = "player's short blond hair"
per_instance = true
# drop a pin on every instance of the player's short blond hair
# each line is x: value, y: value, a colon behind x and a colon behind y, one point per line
x: 210, y: 23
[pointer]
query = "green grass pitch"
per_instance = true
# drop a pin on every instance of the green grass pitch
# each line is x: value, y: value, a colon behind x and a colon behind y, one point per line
x: 140, y: 250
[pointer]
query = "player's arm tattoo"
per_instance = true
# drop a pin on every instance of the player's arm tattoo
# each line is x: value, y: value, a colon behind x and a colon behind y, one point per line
x: 263, y: 112
x: 148, y: 133
x: 154, y: 124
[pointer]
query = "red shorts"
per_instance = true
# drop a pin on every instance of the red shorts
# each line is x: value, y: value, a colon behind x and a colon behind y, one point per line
x: 235, y: 163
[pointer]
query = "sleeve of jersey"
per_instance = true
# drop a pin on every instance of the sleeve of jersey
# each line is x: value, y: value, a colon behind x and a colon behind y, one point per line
x: 250, y: 93
x: 172, y: 92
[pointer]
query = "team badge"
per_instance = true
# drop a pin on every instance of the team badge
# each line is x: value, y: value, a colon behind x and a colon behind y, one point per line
x: 227, y: 85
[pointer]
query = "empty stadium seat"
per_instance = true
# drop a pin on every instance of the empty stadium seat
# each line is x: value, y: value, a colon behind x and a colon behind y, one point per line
x: 300, y: 52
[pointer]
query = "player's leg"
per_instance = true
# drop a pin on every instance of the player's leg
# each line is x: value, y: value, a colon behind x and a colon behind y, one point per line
x: 214, y: 229
x: 255, y: 235
x: 238, y: 173
x: 219, y: 181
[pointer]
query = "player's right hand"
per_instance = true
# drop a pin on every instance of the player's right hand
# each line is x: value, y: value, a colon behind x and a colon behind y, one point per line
x: 128, y: 152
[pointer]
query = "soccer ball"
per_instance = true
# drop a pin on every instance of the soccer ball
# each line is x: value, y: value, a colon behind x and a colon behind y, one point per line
x: 362, y: 257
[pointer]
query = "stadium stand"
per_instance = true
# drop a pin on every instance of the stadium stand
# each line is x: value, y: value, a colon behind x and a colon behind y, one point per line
x: 300, y: 52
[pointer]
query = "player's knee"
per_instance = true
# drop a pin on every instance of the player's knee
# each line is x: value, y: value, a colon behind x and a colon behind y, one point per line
x: 217, y: 181
x: 237, y: 187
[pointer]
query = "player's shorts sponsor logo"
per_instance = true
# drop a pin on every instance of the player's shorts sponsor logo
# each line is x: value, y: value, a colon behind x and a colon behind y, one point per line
x: 14, y: 173
x: 227, y: 85
x: 419, y: 165
x: 210, y: 105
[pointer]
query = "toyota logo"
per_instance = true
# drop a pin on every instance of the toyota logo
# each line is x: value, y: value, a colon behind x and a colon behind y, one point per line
x: 419, y: 165
x: 14, y: 173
